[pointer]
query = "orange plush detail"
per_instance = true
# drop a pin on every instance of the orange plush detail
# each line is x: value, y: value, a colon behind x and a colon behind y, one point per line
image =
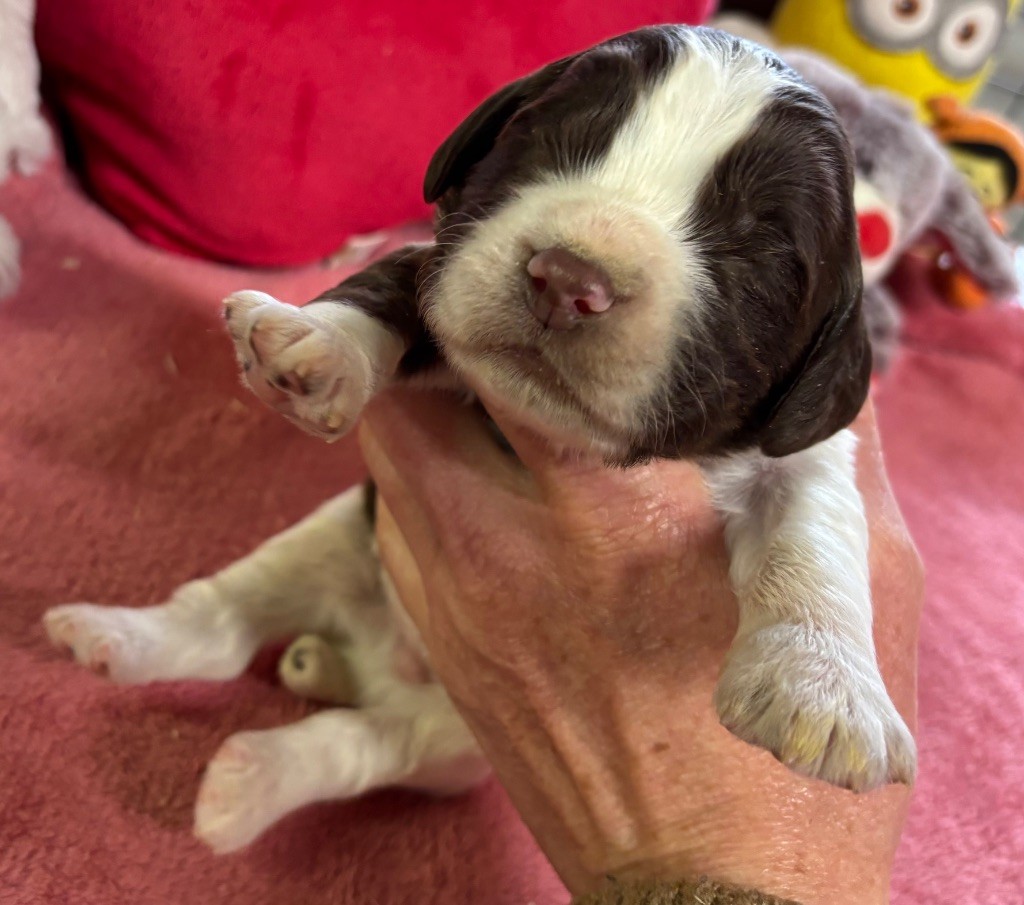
x: 978, y: 134
x: 957, y: 285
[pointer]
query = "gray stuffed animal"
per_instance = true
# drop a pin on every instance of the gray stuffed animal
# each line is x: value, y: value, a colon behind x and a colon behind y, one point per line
x: 905, y: 177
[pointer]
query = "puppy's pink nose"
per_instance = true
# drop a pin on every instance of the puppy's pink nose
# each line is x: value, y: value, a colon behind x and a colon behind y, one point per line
x: 566, y: 289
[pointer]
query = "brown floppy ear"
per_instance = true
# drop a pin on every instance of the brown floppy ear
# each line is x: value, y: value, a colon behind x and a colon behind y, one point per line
x: 476, y: 135
x: 829, y: 385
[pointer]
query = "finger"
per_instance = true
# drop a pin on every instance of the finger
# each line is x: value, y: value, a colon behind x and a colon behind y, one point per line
x: 897, y: 576
x: 438, y: 467
x: 873, y: 479
x: 402, y: 568
x: 417, y: 427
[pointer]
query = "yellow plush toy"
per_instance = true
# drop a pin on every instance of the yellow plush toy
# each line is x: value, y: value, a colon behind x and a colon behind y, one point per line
x: 918, y: 48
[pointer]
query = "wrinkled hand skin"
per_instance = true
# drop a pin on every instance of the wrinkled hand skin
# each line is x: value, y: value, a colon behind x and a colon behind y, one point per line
x: 580, y: 616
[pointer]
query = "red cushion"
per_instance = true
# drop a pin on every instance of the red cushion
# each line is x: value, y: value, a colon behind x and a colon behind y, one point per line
x: 267, y: 131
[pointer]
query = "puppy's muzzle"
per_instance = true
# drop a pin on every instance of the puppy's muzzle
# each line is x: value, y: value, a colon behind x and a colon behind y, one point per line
x: 565, y: 289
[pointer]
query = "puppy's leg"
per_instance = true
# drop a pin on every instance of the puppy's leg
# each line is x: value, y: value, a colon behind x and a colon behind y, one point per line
x: 312, y: 577
x: 801, y: 678
x: 319, y: 365
x: 417, y: 741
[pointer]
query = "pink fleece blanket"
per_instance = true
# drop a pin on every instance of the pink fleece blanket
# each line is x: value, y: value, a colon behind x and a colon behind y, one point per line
x: 131, y: 460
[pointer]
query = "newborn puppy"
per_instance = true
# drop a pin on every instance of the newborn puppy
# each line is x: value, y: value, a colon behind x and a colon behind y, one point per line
x: 647, y: 249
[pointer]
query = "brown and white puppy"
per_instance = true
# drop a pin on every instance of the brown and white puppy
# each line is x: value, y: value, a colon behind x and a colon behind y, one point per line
x: 644, y: 250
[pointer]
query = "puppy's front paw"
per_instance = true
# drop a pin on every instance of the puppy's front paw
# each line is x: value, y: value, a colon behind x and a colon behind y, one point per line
x: 818, y: 704
x: 307, y: 364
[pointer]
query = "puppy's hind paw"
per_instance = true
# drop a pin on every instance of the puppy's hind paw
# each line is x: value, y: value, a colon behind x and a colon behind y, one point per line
x: 246, y: 788
x: 193, y: 637
x: 819, y: 705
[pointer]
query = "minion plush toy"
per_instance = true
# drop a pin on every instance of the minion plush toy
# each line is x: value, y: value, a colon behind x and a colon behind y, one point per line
x: 918, y: 48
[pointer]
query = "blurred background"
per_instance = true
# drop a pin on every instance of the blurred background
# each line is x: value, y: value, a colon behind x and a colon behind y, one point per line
x: 1003, y: 93
x: 996, y: 88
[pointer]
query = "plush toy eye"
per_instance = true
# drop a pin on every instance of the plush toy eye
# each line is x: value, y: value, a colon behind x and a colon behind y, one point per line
x: 968, y: 37
x: 907, y: 10
x: 894, y: 24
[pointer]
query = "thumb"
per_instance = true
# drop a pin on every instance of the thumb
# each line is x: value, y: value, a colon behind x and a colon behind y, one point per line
x: 434, y: 461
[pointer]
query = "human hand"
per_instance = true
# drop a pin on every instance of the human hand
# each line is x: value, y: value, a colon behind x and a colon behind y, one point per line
x: 579, y: 617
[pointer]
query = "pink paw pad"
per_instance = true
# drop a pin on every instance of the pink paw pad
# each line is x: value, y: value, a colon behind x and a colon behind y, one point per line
x: 235, y: 755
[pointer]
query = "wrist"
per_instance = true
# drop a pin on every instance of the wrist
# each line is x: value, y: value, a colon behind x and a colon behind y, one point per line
x: 764, y: 830
x: 809, y: 877
x: 688, y: 892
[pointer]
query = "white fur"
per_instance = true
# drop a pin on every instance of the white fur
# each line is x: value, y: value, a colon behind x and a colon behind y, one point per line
x: 801, y: 678
x: 320, y: 576
x: 472, y: 315
x: 699, y: 110
x: 24, y: 135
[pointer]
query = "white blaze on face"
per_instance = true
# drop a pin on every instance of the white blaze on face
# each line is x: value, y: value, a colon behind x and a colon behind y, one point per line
x: 701, y: 109
x: 625, y: 213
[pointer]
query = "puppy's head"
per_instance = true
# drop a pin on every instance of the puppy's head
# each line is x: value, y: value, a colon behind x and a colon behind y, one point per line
x: 649, y: 249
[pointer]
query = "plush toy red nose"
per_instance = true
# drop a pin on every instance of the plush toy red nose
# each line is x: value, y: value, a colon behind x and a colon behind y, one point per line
x: 875, y: 234
x: 566, y: 289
